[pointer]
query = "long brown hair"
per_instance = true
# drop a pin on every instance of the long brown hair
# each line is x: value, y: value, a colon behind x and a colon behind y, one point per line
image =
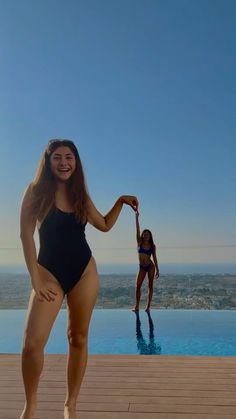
x: 44, y: 184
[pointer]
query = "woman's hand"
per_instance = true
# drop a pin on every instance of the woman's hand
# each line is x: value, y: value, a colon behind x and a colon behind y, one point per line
x: 130, y: 200
x: 43, y: 291
x: 157, y: 273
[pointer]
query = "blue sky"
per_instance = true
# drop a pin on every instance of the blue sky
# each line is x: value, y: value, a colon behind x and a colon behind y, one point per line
x: 147, y: 91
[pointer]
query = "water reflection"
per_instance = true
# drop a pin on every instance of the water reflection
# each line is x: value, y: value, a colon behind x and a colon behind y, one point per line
x: 146, y: 348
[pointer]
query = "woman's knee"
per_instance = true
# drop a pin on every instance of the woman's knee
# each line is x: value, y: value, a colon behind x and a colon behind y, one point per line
x: 151, y: 274
x: 32, y: 345
x: 77, y: 339
x: 138, y: 287
x: 139, y: 282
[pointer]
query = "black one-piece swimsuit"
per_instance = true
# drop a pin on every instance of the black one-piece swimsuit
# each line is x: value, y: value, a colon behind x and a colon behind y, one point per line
x: 64, y: 251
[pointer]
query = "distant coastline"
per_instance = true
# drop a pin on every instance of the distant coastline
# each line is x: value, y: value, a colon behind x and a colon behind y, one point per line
x: 165, y: 268
x: 171, y: 291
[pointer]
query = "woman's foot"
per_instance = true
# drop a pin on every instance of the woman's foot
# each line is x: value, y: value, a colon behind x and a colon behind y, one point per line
x: 147, y: 309
x: 69, y: 412
x: 135, y: 309
x: 28, y: 412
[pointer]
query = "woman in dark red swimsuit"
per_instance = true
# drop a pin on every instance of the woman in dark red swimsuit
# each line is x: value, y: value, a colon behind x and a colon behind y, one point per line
x: 146, y: 249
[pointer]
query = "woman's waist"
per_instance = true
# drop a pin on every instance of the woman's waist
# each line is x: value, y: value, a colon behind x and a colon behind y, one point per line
x: 144, y: 259
x: 62, y: 247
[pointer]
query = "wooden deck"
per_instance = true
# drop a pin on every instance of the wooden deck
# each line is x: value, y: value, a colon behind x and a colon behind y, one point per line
x: 129, y: 387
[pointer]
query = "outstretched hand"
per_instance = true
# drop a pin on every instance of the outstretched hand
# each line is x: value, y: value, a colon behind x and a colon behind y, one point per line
x: 130, y: 200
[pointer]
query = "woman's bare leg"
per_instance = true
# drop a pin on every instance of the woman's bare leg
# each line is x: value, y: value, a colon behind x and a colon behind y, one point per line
x: 139, y: 280
x: 80, y: 300
x: 151, y: 273
x: 39, y: 321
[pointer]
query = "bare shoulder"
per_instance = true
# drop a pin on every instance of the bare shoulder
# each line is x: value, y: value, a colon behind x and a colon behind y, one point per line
x: 90, y: 206
x: 91, y: 210
x: 28, y: 218
x: 27, y: 198
x: 89, y: 201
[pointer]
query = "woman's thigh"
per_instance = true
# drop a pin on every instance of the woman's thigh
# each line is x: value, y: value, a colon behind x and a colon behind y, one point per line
x: 42, y: 314
x: 140, y: 277
x: 151, y: 273
x: 81, y: 300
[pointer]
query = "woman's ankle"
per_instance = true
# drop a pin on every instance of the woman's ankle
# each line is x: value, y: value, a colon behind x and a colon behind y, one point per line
x: 29, y: 410
x: 70, y: 404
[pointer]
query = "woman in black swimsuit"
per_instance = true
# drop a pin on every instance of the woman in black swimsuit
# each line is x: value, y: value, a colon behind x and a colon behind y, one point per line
x: 146, y: 249
x: 58, y: 203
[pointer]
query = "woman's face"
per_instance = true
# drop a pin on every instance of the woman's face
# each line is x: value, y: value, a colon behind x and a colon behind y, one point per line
x: 63, y: 163
x: 146, y: 235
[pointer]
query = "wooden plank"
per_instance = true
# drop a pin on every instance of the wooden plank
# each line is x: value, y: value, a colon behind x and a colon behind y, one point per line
x: 129, y: 387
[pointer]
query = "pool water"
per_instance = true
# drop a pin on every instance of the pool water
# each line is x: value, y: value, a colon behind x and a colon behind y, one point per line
x: 162, y: 332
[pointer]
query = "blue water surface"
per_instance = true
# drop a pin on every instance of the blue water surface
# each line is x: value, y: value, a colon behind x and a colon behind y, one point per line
x: 163, y: 332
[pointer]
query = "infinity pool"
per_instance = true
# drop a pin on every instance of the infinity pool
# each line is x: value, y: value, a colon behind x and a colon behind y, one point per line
x: 166, y: 332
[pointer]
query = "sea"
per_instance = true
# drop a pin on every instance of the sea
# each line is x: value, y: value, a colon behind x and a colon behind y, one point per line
x: 165, y: 268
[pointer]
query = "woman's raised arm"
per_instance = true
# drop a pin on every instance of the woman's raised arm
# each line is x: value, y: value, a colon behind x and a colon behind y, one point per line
x: 138, y: 236
x: 106, y: 222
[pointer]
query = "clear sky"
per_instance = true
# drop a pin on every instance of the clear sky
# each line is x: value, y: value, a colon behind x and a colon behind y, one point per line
x: 147, y: 91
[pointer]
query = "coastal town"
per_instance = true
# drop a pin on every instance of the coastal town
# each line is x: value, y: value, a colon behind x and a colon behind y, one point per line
x: 171, y: 291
